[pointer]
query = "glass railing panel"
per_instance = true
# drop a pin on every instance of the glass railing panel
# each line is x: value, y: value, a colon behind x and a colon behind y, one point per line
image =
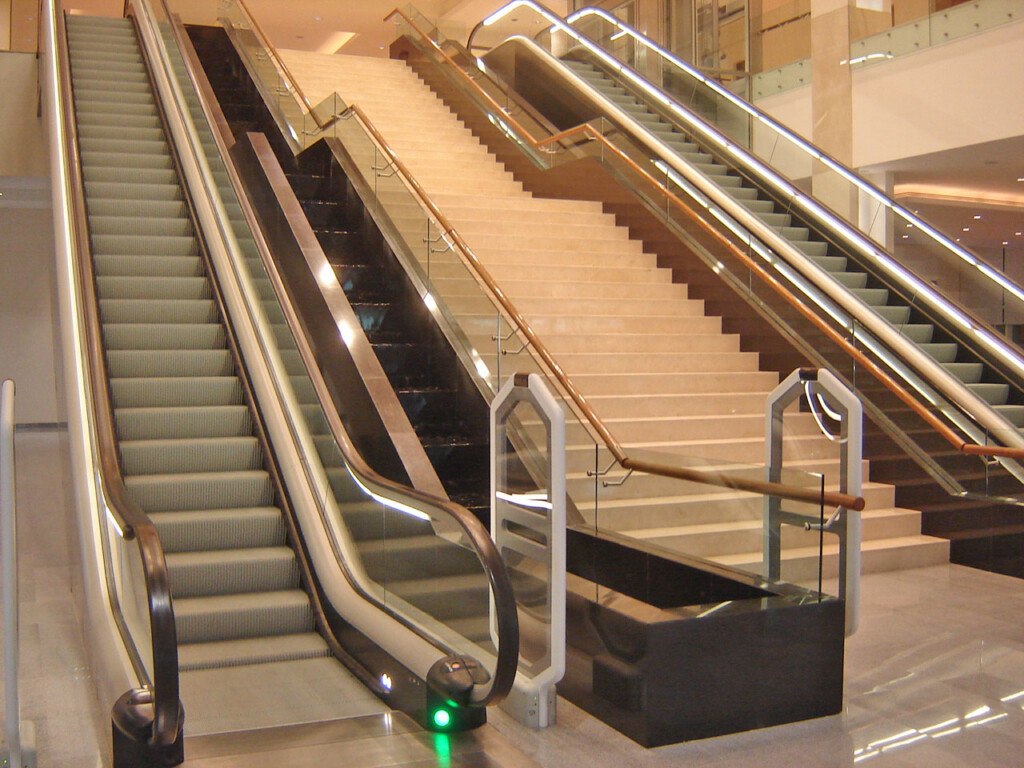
x: 277, y: 90
x: 128, y: 579
x: 721, y: 525
x: 400, y: 549
x: 915, y: 26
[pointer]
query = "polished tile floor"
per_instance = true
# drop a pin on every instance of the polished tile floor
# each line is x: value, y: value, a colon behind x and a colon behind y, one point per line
x: 935, y: 677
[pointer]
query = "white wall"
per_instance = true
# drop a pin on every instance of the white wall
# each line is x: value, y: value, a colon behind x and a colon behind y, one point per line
x: 948, y: 96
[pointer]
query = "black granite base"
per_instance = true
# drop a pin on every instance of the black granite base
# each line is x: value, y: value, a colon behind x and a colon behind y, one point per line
x: 667, y: 649
x: 999, y: 552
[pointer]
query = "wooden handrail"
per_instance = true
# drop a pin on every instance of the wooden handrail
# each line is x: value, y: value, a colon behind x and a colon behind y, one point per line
x: 590, y: 133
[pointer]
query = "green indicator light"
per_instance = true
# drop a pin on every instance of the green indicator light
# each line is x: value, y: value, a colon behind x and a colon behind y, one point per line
x: 442, y: 718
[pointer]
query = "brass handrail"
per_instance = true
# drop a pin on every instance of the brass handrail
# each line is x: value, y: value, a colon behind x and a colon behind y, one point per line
x: 591, y: 133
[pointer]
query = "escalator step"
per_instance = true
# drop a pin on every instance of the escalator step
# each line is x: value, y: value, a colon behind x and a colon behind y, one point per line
x: 872, y: 296
x: 254, y: 650
x: 146, y: 208
x: 130, y: 175
x: 181, y: 421
x: 231, y: 572
x: 993, y: 394
x: 165, y: 336
x: 201, y: 490
x: 200, y: 455
x: 942, y: 352
x: 161, y: 363
x: 148, y: 266
x: 204, y: 529
x: 969, y: 373
x: 122, y: 191
x: 894, y: 315
x: 178, y: 392
x: 158, y: 311
x: 235, y: 616
x: 144, y: 288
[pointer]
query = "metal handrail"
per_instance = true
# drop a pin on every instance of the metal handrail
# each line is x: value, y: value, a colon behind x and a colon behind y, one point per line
x: 506, y: 616
x: 813, y: 152
x: 129, y: 518
x: 590, y: 133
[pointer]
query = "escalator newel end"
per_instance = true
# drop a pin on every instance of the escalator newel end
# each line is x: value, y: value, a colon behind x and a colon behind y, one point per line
x: 132, y: 727
x: 450, y: 683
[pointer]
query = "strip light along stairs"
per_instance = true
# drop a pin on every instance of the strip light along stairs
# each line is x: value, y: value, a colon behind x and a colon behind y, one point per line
x: 188, y: 452
x: 656, y: 368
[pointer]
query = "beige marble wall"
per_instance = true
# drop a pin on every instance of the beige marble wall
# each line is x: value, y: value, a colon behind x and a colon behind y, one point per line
x: 832, y: 99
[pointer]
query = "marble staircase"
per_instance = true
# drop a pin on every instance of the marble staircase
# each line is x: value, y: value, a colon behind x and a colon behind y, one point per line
x: 658, y: 369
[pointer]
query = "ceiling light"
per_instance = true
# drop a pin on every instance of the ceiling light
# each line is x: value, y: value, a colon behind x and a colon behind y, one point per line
x: 1020, y: 178
x: 977, y: 216
x: 1006, y: 242
x: 967, y: 229
x: 318, y: 18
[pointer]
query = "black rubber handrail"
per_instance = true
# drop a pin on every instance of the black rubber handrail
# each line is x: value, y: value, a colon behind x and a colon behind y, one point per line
x: 130, y: 519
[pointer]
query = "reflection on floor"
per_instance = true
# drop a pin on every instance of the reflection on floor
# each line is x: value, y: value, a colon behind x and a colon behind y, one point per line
x: 934, y: 677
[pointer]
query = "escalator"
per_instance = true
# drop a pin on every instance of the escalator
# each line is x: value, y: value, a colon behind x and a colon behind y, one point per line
x: 188, y: 450
x: 263, y: 588
x: 958, y: 367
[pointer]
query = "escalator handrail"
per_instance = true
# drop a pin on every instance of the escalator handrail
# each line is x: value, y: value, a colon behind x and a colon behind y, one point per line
x: 505, y: 608
x: 129, y: 519
x: 983, y: 419
x: 805, y: 146
x: 590, y: 133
